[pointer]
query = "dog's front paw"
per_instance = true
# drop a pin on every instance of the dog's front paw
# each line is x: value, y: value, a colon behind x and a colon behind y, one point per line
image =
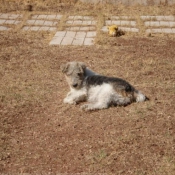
x: 69, y: 101
x: 85, y: 107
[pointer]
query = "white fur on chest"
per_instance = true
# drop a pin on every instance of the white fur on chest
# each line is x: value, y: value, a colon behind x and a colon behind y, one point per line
x: 100, y: 92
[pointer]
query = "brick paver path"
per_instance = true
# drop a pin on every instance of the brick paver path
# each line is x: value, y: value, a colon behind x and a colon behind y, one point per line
x: 42, y: 22
x: 125, y: 23
x: 82, y: 30
x: 133, y: 2
x: 159, y: 24
x: 73, y: 38
x: 7, y: 21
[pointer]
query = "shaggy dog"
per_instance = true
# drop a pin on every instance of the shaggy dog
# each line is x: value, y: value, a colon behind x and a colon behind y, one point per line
x: 99, y: 91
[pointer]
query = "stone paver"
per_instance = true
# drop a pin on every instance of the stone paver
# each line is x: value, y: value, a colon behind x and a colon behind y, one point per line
x: 109, y: 22
x: 164, y: 23
x: 2, y: 21
x: 9, y: 21
x: 78, y: 41
x: 91, y: 34
x: 77, y: 22
x: 34, y: 28
x: 5, y: 16
x: 88, y: 22
x: 67, y: 41
x: 30, y: 22
x: 45, y: 28
x: 52, y: 29
x: 172, y: 24
x: 69, y: 22
x: 17, y: 22
x: 26, y: 28
x: 2, y: 28
x: 40, y: 16
x: 49, y: 23
x: 39, y: 22
x: 80, y: 35
x: 57, y: 39
x: 89, y: 41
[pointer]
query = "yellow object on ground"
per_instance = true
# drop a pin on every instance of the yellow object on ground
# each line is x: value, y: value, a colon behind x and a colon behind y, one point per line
x: 112, y: 30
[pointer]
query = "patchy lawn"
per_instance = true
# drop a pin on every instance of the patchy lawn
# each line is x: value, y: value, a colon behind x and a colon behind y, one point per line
x: 40, y: 134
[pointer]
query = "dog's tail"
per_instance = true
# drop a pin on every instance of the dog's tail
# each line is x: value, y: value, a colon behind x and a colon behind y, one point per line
x: 139, y: 96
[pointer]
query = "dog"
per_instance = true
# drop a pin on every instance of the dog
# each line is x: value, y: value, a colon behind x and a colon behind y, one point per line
x: 99, y: 91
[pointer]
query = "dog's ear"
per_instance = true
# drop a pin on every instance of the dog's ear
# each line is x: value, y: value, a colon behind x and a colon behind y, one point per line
x: 64, y: 67
x: 82, y: 66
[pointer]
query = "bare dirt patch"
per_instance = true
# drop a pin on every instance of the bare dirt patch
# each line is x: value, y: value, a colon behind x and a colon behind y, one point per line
x: 40, y: 134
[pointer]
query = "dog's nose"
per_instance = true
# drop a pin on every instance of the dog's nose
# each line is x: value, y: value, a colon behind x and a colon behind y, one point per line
x: 75, y: 85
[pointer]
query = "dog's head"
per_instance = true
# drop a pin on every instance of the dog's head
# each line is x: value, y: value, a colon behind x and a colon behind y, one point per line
x: 112, y: 30
x: 74, y: 73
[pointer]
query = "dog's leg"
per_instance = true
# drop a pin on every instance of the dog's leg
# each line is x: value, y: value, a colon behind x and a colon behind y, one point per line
x: 120, y: 100
x: 94, y: 106
x: 75, y: 97
x: 105, y: 103
x: 69, y: 99
x: 139, y: 96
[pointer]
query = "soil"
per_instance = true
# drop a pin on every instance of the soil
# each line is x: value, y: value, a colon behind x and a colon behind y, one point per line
x: 41, y: 135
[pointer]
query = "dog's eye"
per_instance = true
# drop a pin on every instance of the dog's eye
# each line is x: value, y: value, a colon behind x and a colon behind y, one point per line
x: 79, y: 74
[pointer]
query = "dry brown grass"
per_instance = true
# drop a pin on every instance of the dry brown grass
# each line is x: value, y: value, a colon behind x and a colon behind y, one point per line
x: 40, y: 134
